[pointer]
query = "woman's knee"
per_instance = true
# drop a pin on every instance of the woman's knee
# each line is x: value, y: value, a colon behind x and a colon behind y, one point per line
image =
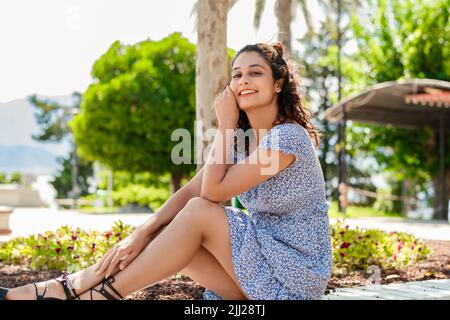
x: 196, y: 207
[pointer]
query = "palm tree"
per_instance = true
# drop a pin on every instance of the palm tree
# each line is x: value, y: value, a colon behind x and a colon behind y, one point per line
x: 285, y: 13
x: 212, y: 65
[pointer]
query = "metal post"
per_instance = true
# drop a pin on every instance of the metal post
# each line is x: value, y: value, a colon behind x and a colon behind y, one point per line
x: 341, y: 126
x: 443, y: 198
x: 74, y: 163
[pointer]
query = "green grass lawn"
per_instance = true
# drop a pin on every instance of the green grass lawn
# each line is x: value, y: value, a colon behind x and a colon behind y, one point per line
x: 94, y: 210
x: 359, y: 212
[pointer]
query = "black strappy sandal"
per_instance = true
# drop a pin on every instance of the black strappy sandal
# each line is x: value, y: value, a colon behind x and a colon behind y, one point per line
x: 108, y: 282
x: 63, y: 280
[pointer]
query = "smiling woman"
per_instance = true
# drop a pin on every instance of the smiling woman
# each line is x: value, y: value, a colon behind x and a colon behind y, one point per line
x: 281, y: 249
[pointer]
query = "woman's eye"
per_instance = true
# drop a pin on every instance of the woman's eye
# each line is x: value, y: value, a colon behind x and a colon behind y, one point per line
x: 236, y: 75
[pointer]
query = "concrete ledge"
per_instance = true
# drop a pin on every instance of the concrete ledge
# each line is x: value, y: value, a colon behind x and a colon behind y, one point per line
x: 5, y: 212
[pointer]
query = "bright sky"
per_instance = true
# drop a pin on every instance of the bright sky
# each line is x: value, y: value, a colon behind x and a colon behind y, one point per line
x: 48, y: 46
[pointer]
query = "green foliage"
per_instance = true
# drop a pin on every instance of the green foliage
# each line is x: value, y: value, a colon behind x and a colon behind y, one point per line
x: 319, y: 56
x: 52, y: 117
x: 357, y: 249
x: 122, y: 179
x: 359, y: 211
x: 65, y: 249
x: 405, y: 39
x: 63, y: 179
x: 74, y: 249
x: 141, y: 94
x: 400, y: 40
x: 15, y: 177
x: 141, y: 195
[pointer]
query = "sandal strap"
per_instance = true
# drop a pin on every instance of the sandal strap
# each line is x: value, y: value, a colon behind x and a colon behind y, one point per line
x: 109, y: 282
x: 67, y: 285
x: 40, y: 297
x: 105, y: 293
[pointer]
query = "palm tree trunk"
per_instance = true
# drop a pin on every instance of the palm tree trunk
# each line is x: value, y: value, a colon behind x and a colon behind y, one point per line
x: 283, y: 13
x: 211, y: 68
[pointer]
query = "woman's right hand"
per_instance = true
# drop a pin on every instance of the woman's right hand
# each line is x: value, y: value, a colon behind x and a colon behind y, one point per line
x: 124, y: 252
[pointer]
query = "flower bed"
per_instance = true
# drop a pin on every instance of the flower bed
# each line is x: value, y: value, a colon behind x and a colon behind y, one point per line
x: 398, y: 257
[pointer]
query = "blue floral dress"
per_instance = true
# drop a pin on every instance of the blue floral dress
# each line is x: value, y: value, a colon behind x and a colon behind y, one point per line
x: 281, y: 249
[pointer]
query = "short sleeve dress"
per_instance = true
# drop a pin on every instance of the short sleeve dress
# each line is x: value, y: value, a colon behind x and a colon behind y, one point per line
x: 281, y: 248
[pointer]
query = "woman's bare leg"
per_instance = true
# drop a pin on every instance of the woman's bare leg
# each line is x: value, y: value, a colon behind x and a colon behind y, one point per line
x: 81, y: 281
x: 208, y: 272
x: 200, y: 222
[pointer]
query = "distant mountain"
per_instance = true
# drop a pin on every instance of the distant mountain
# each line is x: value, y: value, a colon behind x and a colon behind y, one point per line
x: 18, y: 150
x: 27, y: 160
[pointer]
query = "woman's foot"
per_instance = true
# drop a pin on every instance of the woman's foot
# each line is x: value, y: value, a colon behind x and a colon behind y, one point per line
x: 58, y: 288
x: 28, y: 292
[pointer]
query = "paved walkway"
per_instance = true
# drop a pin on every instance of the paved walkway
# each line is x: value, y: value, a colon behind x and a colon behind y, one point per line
x: 435, y: 230
x: 27, y: 221
x: 415, y: 290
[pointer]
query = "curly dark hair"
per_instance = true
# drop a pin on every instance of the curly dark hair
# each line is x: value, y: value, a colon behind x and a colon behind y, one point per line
x: 290, y: 107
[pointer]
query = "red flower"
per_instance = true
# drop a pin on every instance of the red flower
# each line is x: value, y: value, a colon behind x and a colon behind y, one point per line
x: 395, y: 257
x: 117, y: 234
x: 58, y: 250
x: 400, y: 246
x: 341, y: 254
x: 412, y: 247
x: 70, y: 248
x: 74, y: 236
x: 93, y: 247
x: 108, y: 234
x: 76, y: 257
x: 342, y: 232
x: 345, y: 245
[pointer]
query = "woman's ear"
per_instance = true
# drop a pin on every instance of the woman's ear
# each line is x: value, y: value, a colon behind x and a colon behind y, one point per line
x: 278, y: 85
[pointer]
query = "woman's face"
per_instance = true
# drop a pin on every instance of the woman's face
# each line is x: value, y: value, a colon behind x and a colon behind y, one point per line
x: 250, y: 71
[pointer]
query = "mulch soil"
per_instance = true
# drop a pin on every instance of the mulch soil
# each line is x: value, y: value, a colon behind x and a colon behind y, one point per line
x: 181, y: 287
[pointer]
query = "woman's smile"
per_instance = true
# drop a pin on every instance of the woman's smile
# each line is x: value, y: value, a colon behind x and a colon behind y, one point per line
x: 244, y: 95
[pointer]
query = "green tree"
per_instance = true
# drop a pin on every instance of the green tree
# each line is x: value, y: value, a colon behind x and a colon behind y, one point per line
x: 402, y: 40
x: 141, y: 94
x: 15, y: 177
x: 63, y: 179
x: 53, y: 119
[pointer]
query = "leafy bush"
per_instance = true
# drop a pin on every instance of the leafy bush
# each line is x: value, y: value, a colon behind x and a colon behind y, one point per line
x: 357, y: 249
x: 73, y: 249
x: 15, y: 177
x: 65, y: 249
x: 141, y: 195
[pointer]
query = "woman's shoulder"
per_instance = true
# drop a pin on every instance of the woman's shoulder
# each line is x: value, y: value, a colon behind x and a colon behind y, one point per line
x: 290, y: 130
